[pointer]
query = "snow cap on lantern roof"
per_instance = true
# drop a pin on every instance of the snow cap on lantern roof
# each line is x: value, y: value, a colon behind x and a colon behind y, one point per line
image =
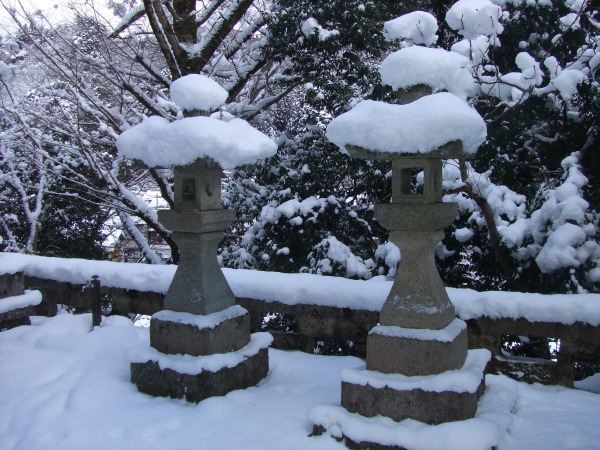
x: 160, y: 143
x: 424, y: 128
x: 473, y: 18
x: 434, y: 67
x: 419, y: 27
x: 197, y: 92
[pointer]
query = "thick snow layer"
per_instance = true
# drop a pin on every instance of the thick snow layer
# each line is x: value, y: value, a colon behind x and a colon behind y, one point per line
x: 463, y: 234
x: 474, y: 49
x: 446, y: 334
x: 29, y: 298
x: 471, y: 434
x: 473, y: 18
x: 559, y: 251
x: 67, y: 386
x: 160, y: 143
x: 419, y: 27
x: 590, y: 384
x: 293, y: 289
x: 141, y: 277
x: 561, y: 308
x: 565, y: 83
x: 200, y: 321
x: 193, y: 365
x: 418, y: 127
x: 466, y: 379
x: 197, y: 92
x: 435, y: 67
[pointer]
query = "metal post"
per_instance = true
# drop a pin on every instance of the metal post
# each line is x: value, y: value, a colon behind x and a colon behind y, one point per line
x: 96, y: 301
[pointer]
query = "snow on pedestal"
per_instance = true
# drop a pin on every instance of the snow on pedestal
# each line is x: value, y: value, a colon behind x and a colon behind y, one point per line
x: 418, y: 27
x: 198, y: 148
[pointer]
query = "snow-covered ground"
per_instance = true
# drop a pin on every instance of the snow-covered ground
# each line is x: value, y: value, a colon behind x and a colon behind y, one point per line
x: 66, y: 386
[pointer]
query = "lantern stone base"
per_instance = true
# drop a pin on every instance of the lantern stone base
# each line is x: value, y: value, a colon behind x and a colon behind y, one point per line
x: 411, y: 352
x: 196, y: 357
x: 432, y: 399
x: 151, y: 379
x: 190, y: 334
x: 371, y: 399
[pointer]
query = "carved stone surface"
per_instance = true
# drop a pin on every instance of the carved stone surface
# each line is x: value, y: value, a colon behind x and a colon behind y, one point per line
x: 172, y: 337
x: 412, y: 93
x: 424, y: 406
x: 196, y: 221
x: 388, y: 354
x: 198, y: 286
x: 416, y: 217
x: 150, y: 379
x: 16, y: 317
x: 418, y: 298
x: 198, y: 186
x: 11, y: 284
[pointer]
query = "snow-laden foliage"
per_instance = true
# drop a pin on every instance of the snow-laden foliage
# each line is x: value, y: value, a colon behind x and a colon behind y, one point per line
x: 289, y: 68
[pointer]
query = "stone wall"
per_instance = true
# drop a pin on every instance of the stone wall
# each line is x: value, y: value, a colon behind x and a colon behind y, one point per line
x: 580, y: 342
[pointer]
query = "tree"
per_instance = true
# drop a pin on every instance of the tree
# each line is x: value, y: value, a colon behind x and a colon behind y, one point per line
x: 105, y: 79
x: 541, y: 121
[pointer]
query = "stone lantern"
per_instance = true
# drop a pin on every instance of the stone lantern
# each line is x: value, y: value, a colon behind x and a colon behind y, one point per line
x: 418, y: 341
x: 200, y: 344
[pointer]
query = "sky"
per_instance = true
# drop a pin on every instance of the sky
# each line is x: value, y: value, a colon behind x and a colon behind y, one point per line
x: 54, y: 10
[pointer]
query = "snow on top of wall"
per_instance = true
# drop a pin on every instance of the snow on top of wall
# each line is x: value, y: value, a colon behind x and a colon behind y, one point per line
x: 197, y: 92
x: 561, y: 308
x: 142, y: 277
x: 292, y: 289
x: 473, y: 18
x: 160, y: 143
x: 417, y: 26
x: 418, y: 127
x: 435, y: 67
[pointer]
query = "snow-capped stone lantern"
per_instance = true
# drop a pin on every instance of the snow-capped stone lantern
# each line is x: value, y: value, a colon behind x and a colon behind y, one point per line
x: 201, y: 317
x: 419, y: 339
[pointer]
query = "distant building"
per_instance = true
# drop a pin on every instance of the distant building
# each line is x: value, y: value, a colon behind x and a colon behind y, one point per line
x: 122, y: 248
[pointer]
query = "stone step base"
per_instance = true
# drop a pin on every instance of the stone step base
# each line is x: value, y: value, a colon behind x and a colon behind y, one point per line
x: 191, y: 334
x: 413, y: 352
x: 319, y: 430
x: 427, y: 407
x: 216, y: 379
x: 433, y: 399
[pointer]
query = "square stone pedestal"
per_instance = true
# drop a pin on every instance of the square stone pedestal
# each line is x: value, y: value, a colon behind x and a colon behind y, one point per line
x: 196, y: 357
x: 412, y: 351
x: 192, y: 334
